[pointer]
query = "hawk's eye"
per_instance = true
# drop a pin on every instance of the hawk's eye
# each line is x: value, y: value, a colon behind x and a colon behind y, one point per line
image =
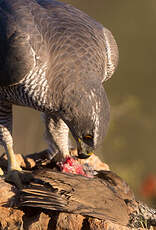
x: 88, y: 139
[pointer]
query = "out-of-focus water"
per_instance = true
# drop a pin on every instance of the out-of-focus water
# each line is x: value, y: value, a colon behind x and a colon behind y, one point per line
x: 129, y: 147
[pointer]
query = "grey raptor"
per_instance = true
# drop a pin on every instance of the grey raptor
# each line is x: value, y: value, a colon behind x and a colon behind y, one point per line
x: 54, y: 59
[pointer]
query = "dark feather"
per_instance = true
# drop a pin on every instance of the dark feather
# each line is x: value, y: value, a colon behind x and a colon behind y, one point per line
x: 75, y: 194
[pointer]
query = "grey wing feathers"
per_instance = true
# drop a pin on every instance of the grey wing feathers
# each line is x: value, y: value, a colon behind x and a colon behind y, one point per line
x: 16, y: 59
x: 95, y: 41
x: 65, y: 38
x: 85, y: 45
x: 21, y: 41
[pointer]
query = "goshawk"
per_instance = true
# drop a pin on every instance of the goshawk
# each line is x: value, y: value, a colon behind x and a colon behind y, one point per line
x: 54, y: 59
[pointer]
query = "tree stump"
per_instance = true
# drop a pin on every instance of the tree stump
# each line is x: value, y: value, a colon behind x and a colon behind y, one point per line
x: 29, y: 218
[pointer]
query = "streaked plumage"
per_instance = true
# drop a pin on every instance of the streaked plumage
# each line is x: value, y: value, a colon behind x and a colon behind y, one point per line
x: 54, y: 58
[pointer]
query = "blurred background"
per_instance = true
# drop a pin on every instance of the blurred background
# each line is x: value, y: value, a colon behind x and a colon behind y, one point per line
x: 129, y: 147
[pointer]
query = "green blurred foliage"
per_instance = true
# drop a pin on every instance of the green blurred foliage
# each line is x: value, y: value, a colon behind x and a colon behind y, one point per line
x: 129, y: 147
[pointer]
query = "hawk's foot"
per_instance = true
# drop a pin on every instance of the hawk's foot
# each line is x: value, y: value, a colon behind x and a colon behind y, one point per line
x: 19, y: 178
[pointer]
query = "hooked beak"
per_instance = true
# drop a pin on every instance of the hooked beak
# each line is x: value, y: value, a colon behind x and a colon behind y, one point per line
x: 84, y: 151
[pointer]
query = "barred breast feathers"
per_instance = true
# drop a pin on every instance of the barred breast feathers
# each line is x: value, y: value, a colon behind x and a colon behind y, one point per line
x: 32, y: 90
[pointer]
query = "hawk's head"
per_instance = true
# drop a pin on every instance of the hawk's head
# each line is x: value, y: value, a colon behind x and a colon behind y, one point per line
x: 85, y: 109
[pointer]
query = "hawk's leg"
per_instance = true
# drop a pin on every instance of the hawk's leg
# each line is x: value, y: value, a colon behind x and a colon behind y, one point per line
x: 57, y: 136
x: 14, y: 173
x: 6, y: 135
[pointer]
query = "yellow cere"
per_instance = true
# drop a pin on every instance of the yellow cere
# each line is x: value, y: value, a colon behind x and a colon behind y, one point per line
x: 79, y: 140
x: 90, y: 153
